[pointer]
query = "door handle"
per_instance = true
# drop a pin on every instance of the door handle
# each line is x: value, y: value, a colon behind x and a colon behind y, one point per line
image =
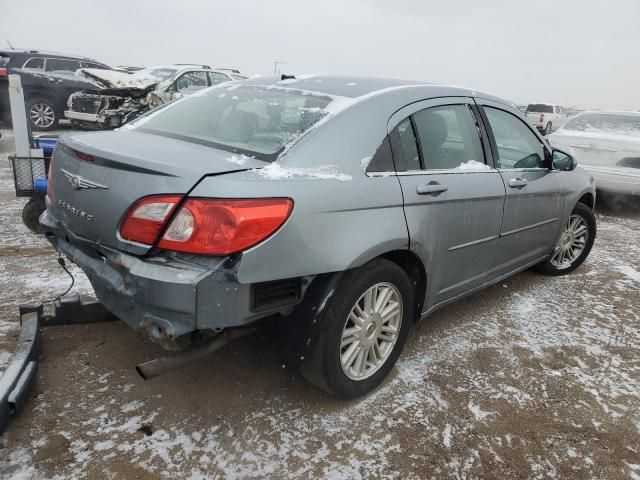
x: 431, y: 188
x: 518, y: 182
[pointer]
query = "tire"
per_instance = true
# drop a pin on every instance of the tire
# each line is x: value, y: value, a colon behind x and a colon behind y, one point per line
x: 31, y: 213
x: 555, y: 264
x: 323, y: 365
x: 548, y: 128
x: 42, y: 114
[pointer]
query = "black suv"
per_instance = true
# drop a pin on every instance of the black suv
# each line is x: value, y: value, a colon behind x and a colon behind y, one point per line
x: 47, y: 80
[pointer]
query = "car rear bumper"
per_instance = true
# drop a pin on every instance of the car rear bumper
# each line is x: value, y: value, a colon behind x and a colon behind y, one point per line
x: 609, y: 180
x: 165, y: 296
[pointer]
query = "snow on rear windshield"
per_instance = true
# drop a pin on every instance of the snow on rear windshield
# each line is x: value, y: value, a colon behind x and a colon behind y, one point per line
x: 539, y: 108
x: 257, y: 121
x: 619, y: 124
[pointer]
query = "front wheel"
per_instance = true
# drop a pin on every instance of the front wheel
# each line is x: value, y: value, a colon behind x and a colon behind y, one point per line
x: 574, y: 244
x: 362, y: 331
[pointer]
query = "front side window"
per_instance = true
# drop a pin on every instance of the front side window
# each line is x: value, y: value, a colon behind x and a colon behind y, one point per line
x: 35, y: 64
x: 252, y: 120
x: 518, y: 147
x: 190, y: 80
x: 448, y: 137
x: 61, y: 65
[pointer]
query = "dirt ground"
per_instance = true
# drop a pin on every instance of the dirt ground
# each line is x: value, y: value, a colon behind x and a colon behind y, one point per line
x: 537, y: 377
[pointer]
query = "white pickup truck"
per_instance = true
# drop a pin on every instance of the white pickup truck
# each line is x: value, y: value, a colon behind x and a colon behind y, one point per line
x: 546, y: 117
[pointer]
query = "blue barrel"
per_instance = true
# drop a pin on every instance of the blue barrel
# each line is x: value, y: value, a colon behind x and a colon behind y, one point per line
x: 40, y: 185
x: 47, y: 144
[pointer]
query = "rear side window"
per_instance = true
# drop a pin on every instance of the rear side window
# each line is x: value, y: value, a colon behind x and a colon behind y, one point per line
x: 382, y: 160
x: 93, y: 65
x: 216, y: 78
x: 191, y: 79
x: 539, y: 108
x: 518, y: 147
x: 448, y: 137
x: 405, y: 146
x: 35, y: 63
x: 61, y: 65
x: 252, y: 120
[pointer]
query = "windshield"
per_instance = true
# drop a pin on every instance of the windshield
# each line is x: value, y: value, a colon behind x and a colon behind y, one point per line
x: 157, y: 73
x: 255, y: 121
x: 619, y: 124
x: 539, y: 108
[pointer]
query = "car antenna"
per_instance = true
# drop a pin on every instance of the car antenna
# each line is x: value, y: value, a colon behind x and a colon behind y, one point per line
x: 10, y: 46
x: 287, y: 77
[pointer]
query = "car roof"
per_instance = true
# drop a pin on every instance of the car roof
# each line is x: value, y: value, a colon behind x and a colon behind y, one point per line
x: 359, y: 87
x: 15, y: 51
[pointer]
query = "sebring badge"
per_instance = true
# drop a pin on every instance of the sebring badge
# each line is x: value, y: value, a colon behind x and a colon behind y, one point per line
x: 78, y: 182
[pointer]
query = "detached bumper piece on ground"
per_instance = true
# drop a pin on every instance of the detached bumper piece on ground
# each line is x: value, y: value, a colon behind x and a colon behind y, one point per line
x: 21, y: 371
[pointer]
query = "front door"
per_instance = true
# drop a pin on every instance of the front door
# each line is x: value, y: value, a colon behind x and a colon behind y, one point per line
x: 535, y: 197
x: 453, y: 196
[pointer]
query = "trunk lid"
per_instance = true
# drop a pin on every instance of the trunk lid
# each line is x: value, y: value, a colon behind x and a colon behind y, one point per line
x: 90, y: 198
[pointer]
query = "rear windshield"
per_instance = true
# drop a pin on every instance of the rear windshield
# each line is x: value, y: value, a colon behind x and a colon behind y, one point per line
x: 256, y: 121
x: 539, y: 108
x: 619, y: 124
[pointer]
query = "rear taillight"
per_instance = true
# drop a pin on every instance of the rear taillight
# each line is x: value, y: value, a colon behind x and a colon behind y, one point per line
x: 221, y: 227
x: 50, y: 177
x: 145, y: 219
x: 3, y: 72
x: 83, y: 156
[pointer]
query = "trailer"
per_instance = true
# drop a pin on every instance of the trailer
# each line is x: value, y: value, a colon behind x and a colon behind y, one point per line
x: 30, y: 163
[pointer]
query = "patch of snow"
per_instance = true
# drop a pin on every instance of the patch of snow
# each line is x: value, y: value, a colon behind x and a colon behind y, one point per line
x: 131, y: 406
x: 472, y: 165
x: 275, y: 171
x: 364, y: 163
x: 629, y: 272
x: 480, y: 414
x: 446, y: 436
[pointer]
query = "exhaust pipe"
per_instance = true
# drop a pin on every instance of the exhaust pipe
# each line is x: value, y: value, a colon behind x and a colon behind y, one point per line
x: 155, y: 367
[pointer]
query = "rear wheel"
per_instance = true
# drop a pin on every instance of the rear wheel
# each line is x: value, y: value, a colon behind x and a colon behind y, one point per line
x: 574, y: 244
x: 362, y: 330
x: 42, y: 114
x: 31, y: 213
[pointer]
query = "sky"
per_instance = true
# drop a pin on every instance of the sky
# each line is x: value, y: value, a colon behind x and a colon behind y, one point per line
x: 583, y: 53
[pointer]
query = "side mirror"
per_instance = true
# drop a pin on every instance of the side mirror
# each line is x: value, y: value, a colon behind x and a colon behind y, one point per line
x: 562, y: 161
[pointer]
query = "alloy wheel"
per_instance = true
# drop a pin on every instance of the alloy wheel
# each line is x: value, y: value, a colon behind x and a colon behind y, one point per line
x: 571, y: 244
x: 42, y: 115
x: 371, y: 331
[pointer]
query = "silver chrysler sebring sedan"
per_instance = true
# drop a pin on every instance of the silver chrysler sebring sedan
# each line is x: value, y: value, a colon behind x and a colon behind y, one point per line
x: 344, y: 208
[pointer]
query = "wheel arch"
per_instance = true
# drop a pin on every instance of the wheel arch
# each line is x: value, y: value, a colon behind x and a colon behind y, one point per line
x: 415, y: 270
x: 588, y: 199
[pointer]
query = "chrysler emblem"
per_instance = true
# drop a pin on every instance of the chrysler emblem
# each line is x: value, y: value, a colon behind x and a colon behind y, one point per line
x: 78, y: 182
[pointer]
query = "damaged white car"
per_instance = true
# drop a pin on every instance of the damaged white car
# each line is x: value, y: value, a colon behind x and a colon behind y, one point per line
x: 119, y: 97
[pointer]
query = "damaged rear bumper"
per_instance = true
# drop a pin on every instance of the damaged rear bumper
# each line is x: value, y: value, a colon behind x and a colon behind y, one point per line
x: 21, y: 372
x: 166, y: 296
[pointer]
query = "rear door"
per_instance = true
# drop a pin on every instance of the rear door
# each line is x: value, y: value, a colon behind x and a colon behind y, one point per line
x: 536, y: 196
x: 453, y: 196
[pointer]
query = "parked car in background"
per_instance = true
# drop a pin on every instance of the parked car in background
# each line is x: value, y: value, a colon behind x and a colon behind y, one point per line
x: 246, y: 202
x: 607, y: 144
x: 119, y: 97
x: 546, y: 117
x: 47, y: 79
